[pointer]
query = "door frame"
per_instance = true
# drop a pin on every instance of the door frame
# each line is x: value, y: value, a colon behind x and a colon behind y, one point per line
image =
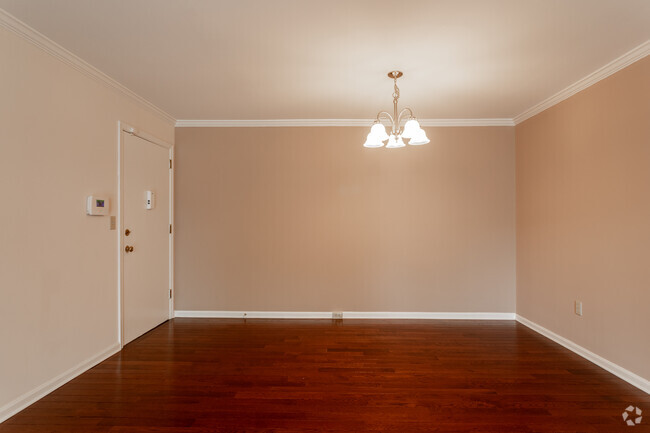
x: 124, y: 128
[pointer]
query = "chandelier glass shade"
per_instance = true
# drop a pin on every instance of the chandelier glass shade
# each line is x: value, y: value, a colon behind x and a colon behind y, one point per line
x: 410, y: 131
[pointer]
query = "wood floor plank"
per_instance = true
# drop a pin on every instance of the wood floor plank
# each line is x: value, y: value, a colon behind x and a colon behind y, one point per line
x: 289, y: 376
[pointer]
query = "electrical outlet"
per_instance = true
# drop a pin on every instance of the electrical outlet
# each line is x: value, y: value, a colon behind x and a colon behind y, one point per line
x: 337, y: 315
x: 578, y: 308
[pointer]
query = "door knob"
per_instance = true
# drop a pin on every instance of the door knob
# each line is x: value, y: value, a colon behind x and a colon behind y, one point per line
x: 128, y: 249
x: 127, y: 232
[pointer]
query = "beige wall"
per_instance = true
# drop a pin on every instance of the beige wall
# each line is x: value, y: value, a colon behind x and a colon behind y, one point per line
x: 58, y: 267
x: 306, y: 219
x: 583, y: 218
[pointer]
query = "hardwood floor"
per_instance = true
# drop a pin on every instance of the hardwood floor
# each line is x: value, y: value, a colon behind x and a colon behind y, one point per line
x: 214, y: 375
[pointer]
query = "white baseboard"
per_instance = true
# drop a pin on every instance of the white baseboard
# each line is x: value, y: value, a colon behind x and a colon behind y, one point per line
x: 20, y: 403
x: 254, y: 314
x: 420, y: 315
x: 615, y: 369
x: 346, y: 315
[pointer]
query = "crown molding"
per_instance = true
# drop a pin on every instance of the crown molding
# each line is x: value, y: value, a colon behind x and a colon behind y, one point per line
x: 612, y: 67
x: 41, y: 41
x: 331, y: 122
x: 270, y: 123
x: 467, y: 122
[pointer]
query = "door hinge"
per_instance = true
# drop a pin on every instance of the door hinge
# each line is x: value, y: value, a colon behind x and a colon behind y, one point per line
x: 170, y: 293
x: 170, y: 164
x: 170, y: 228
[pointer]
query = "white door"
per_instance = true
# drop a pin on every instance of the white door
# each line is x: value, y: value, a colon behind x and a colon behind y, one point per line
x: 145, y: 236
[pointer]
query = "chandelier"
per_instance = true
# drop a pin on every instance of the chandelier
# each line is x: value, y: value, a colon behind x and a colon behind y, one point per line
x: 410, y: 131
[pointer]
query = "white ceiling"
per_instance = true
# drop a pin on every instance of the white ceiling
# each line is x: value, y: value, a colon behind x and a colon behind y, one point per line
x: 306, y: 59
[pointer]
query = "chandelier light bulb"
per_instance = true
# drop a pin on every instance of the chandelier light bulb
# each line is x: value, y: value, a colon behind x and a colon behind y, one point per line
x: 395, y: 141
x: 392, y: 142
x: 379, y: 131
x: 419, y: 138
x: 411, y: 129
x: 372, y: 141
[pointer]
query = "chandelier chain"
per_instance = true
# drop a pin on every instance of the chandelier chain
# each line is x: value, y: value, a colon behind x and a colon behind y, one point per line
x: 396, y: 92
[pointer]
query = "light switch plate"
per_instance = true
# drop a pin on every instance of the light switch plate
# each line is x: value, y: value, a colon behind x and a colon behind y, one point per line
x: 578, y: 308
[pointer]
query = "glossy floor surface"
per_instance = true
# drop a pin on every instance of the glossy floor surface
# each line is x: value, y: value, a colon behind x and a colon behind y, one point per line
x: 214, y: 375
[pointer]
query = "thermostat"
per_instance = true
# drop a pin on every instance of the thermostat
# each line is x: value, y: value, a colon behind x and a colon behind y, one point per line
x: 96, y: 205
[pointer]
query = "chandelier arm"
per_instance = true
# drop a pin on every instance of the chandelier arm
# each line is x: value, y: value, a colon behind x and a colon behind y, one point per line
x: 386, y: 114
x: 401, y: 113
x: 404, y: 110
